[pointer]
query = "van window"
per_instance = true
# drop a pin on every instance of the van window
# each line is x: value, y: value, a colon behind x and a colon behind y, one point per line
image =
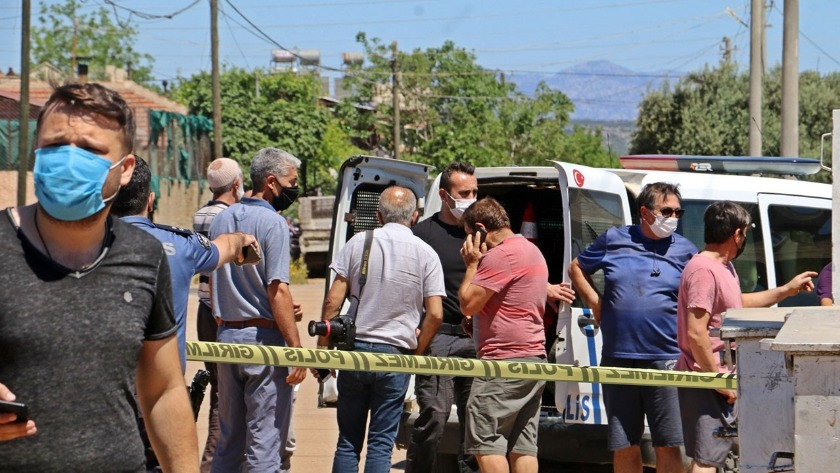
x: 591, y: 214
x: 545, y: 200
x: 363, y: 207
x: 751, y: 265
x: 801, y: 238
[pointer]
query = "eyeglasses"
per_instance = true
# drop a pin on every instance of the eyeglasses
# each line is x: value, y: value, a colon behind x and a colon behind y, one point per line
x: 667, y: 212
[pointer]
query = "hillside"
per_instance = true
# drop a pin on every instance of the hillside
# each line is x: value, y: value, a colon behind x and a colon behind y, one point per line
x: 600, y: 90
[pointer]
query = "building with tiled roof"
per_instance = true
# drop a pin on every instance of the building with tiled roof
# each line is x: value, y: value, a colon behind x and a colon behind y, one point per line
x: 139, y: 98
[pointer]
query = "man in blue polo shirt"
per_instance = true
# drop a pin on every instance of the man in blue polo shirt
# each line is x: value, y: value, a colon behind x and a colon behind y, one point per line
x: 255, y: 307
x: 637, y: 313
x: 188, y: 253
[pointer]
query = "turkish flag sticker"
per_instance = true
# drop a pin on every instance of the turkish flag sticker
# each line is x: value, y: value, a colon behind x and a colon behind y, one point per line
x: 578, y: 177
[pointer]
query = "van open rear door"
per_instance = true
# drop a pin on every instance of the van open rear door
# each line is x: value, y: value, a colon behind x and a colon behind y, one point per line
x: 361, y: 180
x: 593, y: 201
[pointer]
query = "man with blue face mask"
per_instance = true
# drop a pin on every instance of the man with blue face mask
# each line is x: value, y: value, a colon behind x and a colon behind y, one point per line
x: 637, y: 313
x: 86, y: 316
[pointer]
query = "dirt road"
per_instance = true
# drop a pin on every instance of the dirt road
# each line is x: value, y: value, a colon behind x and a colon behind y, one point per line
x: 315, y: 428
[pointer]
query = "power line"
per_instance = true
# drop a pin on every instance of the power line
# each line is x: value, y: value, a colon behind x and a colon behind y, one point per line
x: 148, y: 16
x: 272, y: 41
x: 807, y: 38
x: 225, y: 16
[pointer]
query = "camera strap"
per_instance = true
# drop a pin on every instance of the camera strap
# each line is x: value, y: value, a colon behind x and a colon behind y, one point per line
x: 363, y: 270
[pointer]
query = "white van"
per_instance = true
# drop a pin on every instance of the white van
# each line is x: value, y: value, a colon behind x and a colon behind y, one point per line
x: 573, y: 204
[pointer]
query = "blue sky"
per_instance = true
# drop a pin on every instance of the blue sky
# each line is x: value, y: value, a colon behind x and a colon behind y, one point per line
x: 541, y: 36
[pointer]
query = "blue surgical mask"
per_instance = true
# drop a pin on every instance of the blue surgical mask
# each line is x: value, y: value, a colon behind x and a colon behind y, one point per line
x: 69, y: 181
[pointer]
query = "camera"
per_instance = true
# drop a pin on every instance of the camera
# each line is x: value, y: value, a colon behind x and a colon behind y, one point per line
x: 341, y: 331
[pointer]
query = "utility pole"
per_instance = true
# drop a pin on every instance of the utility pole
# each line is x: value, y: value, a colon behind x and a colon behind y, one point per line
x: 789, y: 143
x: 23, y: 128
x: 727, y: 49
x: 217, y: 92
x: 395, y: 92
x: 756, y: 70
x: 73, y: 59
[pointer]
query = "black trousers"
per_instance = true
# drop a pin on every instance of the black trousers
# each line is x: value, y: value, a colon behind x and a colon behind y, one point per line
x: 207, y: 328
x: 436, y: 395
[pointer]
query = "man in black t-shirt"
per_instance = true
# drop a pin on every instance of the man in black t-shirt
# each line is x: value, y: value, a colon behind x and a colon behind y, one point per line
x: 86, y: 314
x: 444, y: 232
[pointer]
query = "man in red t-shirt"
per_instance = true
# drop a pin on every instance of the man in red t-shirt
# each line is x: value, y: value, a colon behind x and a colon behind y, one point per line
x: 505, y: 285
x: 708, y: 287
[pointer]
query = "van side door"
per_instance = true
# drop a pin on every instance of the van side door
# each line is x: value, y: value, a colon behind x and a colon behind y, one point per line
x: 593, y: 201
x: 797, y: 233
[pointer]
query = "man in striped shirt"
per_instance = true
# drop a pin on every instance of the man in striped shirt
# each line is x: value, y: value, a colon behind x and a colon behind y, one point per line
x: 224, y: 176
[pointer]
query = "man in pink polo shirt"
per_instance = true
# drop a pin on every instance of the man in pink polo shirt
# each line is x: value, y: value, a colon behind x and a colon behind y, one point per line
x: 504, y: 284
x: 709, y: 286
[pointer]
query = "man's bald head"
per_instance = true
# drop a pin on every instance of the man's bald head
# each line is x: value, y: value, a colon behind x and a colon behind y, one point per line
x: 397, y: 205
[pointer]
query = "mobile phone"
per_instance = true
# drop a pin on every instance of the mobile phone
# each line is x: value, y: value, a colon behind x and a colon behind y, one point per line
x: 17, y: 408
x: 482, y: 235
x: 251, y: 254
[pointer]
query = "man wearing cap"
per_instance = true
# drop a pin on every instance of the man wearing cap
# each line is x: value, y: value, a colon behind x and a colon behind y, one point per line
x: 224, y: 177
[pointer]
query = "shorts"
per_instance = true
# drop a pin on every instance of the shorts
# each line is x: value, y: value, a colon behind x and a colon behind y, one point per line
x: 627, y: 407
x: 503, y: 415
x: 703, y: 412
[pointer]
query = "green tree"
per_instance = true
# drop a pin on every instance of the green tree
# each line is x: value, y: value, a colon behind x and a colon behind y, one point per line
x: 453, y: 109
x: 284, y: 115
x: 707, y: 113
x: 98, y: 40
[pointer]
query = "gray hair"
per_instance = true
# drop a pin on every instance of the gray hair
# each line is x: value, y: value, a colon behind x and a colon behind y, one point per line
x: 397, y: 205
x: 271, y: 161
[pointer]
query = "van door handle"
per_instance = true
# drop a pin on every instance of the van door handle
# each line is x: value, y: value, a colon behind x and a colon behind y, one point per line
x: 583, y: 320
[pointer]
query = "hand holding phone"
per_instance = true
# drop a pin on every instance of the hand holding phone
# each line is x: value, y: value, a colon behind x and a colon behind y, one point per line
x: 17, y: 408
x: 250, y: 255
x: 482, y: 235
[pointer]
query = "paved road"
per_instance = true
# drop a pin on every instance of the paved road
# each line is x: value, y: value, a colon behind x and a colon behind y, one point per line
x: 315, y: 428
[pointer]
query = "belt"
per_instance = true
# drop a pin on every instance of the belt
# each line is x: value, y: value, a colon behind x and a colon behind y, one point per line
x: 260, y: 322
x: 452, y: 329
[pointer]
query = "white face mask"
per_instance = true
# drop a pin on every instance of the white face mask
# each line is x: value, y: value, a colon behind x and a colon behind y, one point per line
x: 664, y: 227
x: 240, y: 192
x: 460, y: 206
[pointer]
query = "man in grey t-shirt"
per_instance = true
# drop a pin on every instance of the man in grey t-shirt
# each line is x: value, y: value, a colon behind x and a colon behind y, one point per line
x: 404, y: 279
x: 86, y: 305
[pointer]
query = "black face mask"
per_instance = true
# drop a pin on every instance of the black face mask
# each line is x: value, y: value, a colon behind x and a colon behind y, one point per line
x: 741, y: 248
x: 286, y: 198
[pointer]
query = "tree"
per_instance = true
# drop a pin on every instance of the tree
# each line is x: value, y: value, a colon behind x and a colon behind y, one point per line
x: 284, y: 115
x: 453, y: 109
x: 98, y: 40
x: 706, y: 113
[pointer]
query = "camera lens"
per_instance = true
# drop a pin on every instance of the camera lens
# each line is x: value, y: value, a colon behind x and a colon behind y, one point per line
x: 317, y: 328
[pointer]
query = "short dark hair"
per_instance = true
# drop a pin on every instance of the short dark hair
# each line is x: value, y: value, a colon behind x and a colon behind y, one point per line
x: 721, y: 219
x: 93, y: 99
x: 457, y: 166
x: 489, y: 212
x: 134, y: 196
x: 651, y: 193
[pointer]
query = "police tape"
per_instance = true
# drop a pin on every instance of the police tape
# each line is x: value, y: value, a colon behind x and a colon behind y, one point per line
x: 432, y: 365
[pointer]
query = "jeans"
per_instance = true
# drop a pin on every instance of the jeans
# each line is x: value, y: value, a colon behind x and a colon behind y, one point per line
x: 360, y: 392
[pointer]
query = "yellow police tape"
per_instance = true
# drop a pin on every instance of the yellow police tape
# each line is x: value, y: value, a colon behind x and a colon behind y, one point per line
x: 362, y: 361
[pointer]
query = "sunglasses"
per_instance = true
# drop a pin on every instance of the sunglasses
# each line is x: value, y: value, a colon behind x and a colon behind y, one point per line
x: 667, y: 212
